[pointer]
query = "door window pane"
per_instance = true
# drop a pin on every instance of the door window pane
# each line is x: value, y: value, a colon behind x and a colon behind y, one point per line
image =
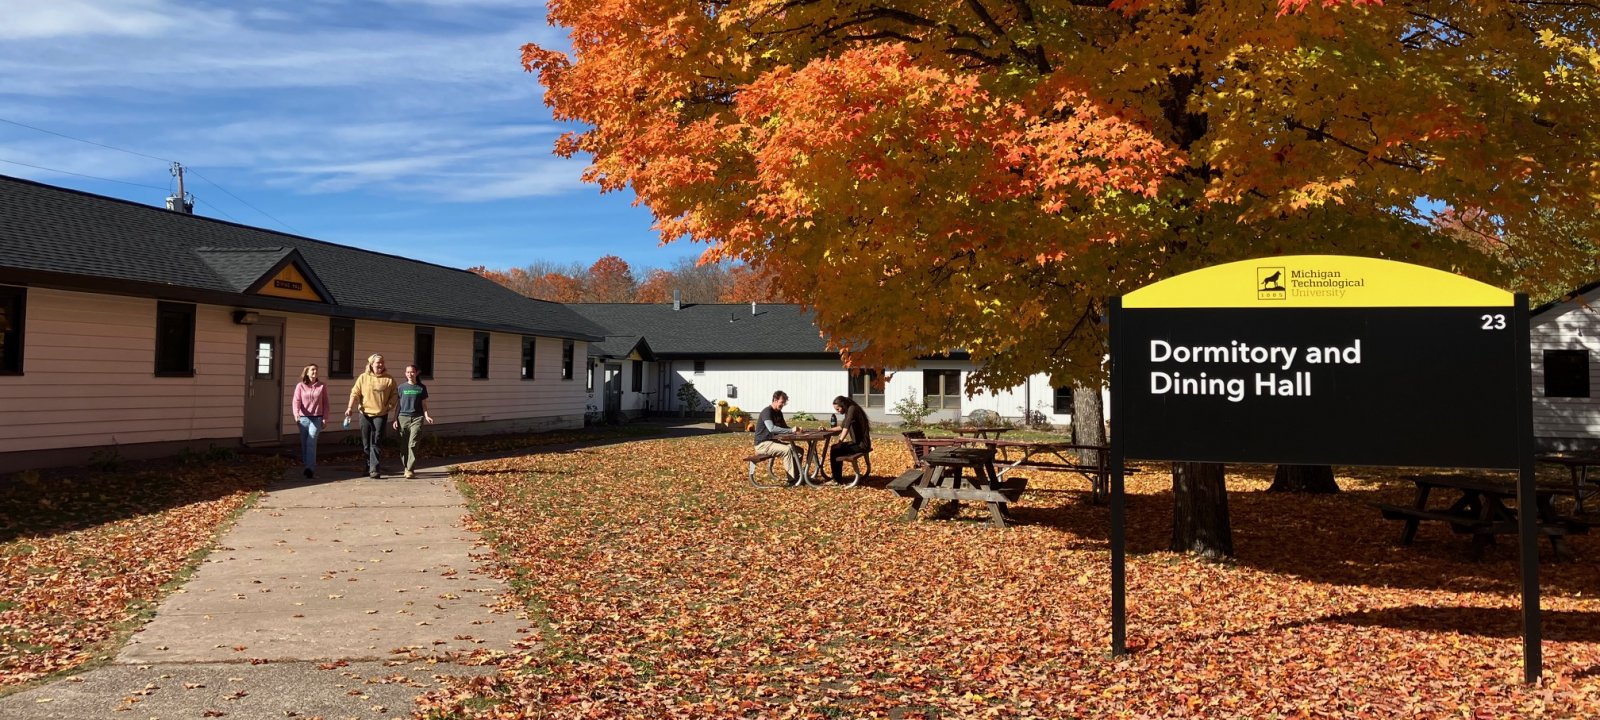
x: 264, y: 352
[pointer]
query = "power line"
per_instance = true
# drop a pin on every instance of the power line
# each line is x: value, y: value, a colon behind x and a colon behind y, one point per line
x: 219, y: 210
x: 91, y: 142
x: 91, y: 177
x: 240, y: 199
x: 152, y: 157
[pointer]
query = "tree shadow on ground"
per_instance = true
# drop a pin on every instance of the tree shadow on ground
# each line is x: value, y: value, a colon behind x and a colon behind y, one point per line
x: 1335, y: 538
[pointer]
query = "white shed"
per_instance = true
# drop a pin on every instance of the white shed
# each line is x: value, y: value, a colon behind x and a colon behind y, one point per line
x: 1564, y: 340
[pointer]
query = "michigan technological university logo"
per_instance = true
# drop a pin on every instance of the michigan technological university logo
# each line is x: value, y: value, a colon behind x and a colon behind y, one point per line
x: 1269, y: 284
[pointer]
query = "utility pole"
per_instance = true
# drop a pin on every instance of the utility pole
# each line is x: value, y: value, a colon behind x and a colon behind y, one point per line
x: 181, y: 202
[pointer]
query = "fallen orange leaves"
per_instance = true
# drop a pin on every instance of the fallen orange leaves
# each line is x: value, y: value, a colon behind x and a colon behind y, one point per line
x: 670, y: 588
x: 83, y: 556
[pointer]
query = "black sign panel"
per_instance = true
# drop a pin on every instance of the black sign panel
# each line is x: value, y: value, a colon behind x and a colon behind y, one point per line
x: 1406, y: 386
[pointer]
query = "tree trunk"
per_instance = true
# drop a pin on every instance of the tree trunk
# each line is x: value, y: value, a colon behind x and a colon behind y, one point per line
x: 1088, y: 420
x: 1304, y: 479
x: 1200, y: 510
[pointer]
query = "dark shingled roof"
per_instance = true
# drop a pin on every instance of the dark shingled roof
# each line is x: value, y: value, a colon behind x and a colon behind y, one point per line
x: 51, y: 235
x: 620, y: 346
x: 713, y: 330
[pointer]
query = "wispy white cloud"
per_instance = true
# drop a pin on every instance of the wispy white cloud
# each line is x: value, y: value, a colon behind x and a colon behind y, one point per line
x: 29, y: 19
x: 403, y: 125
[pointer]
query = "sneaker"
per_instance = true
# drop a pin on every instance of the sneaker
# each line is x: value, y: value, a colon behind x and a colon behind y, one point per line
x: 410, y: 475
x: 309, y: 473
x: 375, y: 475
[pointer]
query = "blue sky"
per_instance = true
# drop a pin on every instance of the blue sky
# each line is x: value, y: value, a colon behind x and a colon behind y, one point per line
x: 404, y: 126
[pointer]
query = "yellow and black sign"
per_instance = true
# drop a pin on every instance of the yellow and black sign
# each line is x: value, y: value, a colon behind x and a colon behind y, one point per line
x: 1307, y: 281
x: 1319, y: 360
x: 289, y: 282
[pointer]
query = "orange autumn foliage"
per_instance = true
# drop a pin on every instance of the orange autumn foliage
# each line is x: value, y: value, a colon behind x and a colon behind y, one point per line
x: 985, y: 175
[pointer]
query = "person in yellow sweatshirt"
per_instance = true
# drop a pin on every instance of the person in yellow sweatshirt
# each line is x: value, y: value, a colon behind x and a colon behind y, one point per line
x: 375, y: 394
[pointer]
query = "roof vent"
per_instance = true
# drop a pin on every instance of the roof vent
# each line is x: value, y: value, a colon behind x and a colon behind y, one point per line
x: 752, y: 307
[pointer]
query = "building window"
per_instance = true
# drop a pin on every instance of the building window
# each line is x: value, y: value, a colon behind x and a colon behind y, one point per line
x: 942, y: 389
x: 1063, y: 401
x: 566, y: 362
x: 480, y: 355
x: 588, y: 376
x: 341, y: 347
x: 1566, y: 373
x: 530, y: 347
x: 174, y: 339
x: 13, y: 308
x: 865, y: 388
x: 422, y: 352
x: 699, y: 367
x: 638, y: 375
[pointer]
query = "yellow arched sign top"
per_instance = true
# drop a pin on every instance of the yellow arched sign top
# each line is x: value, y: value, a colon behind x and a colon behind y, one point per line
x: 1305, y: 281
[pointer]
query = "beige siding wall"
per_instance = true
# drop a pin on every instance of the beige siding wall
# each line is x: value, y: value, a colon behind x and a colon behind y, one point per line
x: 455, y: 397
x: 90, y: 376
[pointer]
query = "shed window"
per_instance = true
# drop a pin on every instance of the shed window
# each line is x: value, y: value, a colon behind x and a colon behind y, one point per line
x: 865, y: 388
x: 942, y: 389
x: 13, y: 308
x: 341, y: 347
x: 530, y: 347
x: 1063, y: 405
x: 566, y: 361
x: 1566, y: 373
x: 422, y: 351
x: 480, y: 355
x: 174, y: 339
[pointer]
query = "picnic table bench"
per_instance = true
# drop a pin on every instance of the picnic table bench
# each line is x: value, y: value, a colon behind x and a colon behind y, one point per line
x: 813, y: 463
x: 1578, y: 464
x: 957, y: 474
x: 1481, y: 511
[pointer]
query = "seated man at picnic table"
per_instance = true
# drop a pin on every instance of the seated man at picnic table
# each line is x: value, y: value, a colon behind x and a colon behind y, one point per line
x: 855, y: 433
x: 771, y: 423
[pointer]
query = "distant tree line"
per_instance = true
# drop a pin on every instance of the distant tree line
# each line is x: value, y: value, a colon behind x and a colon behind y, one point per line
x: 611, y: 280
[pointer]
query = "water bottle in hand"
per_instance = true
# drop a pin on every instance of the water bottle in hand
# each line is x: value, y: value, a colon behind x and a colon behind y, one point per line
x: 347, y: 422
x: 833, y: 420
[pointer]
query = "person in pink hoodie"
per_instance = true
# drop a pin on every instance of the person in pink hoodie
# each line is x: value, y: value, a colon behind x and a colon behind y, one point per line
x: 310, y: 411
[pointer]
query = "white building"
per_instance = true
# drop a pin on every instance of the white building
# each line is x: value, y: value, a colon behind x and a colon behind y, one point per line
x: 1564, y: 340
x: 742, y: 353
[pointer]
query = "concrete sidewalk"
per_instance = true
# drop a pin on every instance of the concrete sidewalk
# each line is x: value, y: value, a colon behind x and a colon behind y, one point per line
x: 341, y: 598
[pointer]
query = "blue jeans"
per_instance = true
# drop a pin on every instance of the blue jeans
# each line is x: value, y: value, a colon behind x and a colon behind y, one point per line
x: 310, y: 428
x: 372, y: 439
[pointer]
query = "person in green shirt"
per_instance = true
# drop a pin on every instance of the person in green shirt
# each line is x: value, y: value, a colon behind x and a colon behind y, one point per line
x: 413, y: 413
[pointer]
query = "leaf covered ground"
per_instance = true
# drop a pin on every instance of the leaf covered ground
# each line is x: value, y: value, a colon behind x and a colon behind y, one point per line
x: 84, y: 556
x: 669, y: 587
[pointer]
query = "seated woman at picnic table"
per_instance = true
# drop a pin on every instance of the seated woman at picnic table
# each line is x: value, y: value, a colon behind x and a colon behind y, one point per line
x: 855, y: 433
x: 771, y: 423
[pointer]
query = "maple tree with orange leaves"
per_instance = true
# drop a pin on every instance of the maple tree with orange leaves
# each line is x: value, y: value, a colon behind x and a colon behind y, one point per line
x: 985, y: 175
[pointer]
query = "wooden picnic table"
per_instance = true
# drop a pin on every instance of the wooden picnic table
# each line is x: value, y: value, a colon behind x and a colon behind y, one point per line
x: 1090, y: 461
x: 1480, y: 510
x: 1577, y: 463
x: 992, y: 432
x: 959, y: 473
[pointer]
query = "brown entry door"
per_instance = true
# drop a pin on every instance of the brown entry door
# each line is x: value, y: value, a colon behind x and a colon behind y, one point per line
x: 263, y: 397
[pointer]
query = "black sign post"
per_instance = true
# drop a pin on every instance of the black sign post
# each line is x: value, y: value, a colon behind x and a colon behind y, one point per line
x: 1324, y: 360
